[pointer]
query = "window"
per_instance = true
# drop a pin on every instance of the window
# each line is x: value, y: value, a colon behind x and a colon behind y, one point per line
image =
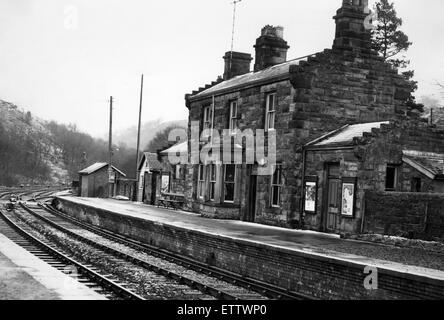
x: 270, y: 111
x: 276, y: 185
x: 391, y: 178
x: 207, y: 117
x: 229, y: 182
x: 416, y: 185
x: 201, y: 182
x: 212, y: 182
x: 233, y: 116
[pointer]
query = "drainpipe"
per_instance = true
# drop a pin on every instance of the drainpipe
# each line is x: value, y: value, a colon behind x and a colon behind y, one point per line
x: 301, y: 206
x: 363, y: 213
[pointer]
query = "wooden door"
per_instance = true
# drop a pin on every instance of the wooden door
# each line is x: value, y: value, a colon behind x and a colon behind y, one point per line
x: 333, y: 201
x: 154, y: 187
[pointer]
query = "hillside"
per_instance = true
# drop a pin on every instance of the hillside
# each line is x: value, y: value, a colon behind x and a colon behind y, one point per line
x: 27, y: 151
x: 33, y: 150
x: 148, y: 130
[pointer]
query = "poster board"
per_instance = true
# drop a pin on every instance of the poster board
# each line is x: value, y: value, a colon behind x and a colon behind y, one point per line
x: 165, y: 183
x: 310, y: 194
x: 348, y: 197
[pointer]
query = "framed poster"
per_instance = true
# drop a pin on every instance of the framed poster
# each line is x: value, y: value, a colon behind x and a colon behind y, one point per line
x: 348, y: 197
x: 310, y: 197
x: 165, y: 186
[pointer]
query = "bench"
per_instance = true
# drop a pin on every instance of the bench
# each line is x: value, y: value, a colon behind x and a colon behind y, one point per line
x: 171, y: 200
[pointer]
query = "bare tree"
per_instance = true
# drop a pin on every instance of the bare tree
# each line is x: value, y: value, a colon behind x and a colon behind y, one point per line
x: 441, y: 87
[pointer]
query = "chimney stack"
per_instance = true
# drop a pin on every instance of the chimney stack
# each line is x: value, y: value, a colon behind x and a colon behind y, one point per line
x: 236, y: 64
x: 352, y: 29
x: 271, y: 48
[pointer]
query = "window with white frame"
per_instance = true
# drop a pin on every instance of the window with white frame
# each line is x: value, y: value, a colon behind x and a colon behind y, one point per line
x: 270, y: 111
x: 229, y: 182
x: 207, y: 117
x: 233, y: 116
x: 201, y: 181
x: 213, y: 176
x: 276, y: 186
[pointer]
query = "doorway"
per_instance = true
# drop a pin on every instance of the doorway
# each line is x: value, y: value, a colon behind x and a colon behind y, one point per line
x: 333, y: 199
x: 251, y: 209
x: 154, y: 187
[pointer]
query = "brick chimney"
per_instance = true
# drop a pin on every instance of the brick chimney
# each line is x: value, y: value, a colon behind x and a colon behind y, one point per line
x: 351, y: 30
x: 271, y: 48
x: 236, y: 64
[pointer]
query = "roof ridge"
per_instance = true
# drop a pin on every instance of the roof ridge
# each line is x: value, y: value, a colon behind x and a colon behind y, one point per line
x: 220, y: 80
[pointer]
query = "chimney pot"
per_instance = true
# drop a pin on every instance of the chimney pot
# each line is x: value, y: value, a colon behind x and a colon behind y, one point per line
x: 351, y: 29
x: 236, y: 64
x: 271, y: 48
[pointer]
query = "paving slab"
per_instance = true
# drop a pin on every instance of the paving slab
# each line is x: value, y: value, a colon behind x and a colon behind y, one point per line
x: 25, y: 277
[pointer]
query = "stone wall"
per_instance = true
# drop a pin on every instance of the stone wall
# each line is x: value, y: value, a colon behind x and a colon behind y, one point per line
x: 412, y: 215
x: 349, y: 167
x: 367, y: 160
x: 321, y: 94
x: 312, y: 275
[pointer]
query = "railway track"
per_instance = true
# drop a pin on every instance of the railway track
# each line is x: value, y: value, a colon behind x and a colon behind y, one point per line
x: 24, y: 192
x: 88, y: 275
x: 71, y: 225
x: 107, y: 250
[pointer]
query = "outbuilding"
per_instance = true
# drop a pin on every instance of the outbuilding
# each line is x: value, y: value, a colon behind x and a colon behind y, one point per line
x: 95, y: 180
x: 346, y: 167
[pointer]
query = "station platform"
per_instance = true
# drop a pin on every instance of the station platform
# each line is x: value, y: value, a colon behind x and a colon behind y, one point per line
x: 26, y: 277
x: 283, y: 257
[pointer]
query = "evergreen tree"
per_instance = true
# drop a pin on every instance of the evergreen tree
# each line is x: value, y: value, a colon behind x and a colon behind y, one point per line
x: 392, y: 43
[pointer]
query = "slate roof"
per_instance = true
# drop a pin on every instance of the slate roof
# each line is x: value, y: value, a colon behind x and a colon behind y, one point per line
x: 270, y: 74
x: 430, y: 164
x: 96, y: 167
x: 153, y: 161
x: 346, y: 134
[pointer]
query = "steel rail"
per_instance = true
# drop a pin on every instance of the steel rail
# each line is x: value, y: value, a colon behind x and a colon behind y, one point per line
x: 265, y: 289
x: 217, y: 293
x: 82, y: 269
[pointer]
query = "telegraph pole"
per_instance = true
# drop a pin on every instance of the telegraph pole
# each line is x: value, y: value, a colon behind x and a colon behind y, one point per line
x: 110, y: 148
x: 138, y: 135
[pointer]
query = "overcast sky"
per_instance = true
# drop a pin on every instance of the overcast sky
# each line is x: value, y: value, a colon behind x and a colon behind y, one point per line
x: 63, y: 59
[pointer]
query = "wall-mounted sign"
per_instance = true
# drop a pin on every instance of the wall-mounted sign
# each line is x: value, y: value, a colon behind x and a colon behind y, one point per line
x: 112, y: 177
x: 348, y: 198
x: 310, y: 197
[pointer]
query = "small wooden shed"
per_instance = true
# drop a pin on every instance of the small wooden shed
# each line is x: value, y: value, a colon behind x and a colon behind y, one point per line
x: 94, y: 180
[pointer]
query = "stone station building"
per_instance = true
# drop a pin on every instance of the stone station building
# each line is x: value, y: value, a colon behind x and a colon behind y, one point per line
x: 301, y: 101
